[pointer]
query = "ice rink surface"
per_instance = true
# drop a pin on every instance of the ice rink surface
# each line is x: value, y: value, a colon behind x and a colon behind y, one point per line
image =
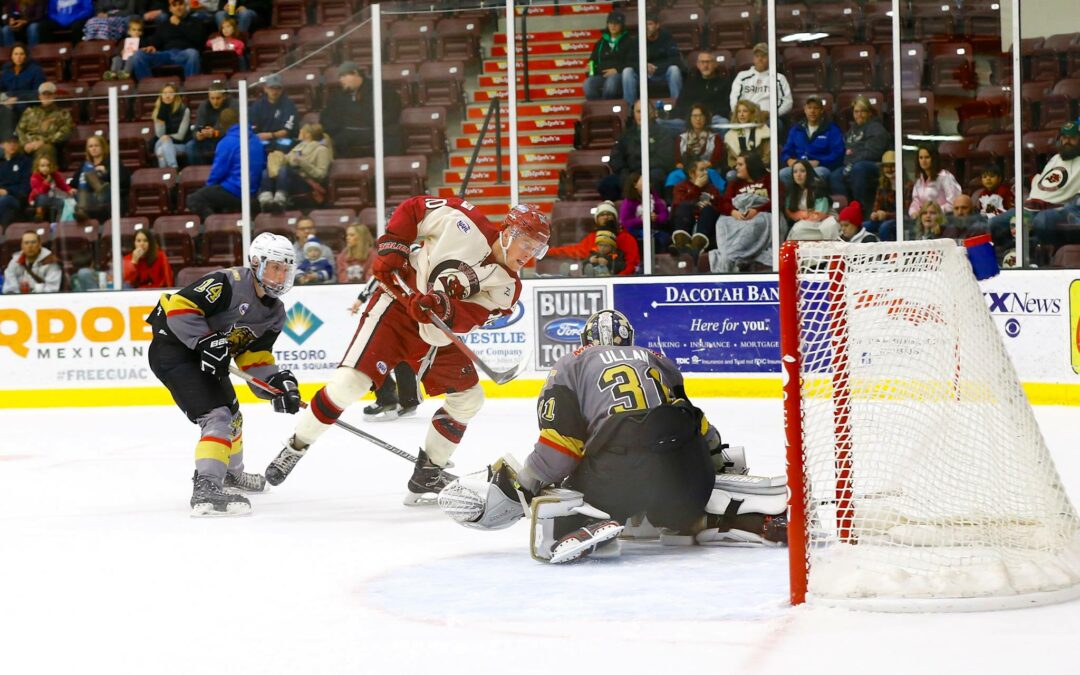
x: 103, y: 571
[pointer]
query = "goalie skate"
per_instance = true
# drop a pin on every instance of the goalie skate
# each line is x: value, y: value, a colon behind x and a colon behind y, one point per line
x: 210, y: 499
x: 427, y: 481
x: 585, y: 541
x: 241, y: 482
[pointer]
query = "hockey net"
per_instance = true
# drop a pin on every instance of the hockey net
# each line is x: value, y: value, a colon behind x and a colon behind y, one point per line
x: 919, y: 478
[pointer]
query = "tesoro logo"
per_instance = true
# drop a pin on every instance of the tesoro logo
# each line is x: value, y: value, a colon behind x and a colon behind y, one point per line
x: 59, y: 325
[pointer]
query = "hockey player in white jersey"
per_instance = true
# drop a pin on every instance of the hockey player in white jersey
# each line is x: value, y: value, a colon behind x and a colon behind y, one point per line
x: 464, y: 272
x: 619, y: 440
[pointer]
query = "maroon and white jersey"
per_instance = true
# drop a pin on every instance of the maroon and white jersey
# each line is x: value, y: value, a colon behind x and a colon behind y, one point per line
x: 455, y: 257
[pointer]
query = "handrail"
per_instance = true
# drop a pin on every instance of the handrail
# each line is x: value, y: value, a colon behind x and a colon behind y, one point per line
x: 524, y: 55
x: 493, y: 107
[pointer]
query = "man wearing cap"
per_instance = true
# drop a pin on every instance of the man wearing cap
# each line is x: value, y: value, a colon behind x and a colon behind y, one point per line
x: 176, y: 41
x: 752, y: 84
x: 206, y: 132
x: 47, y: 125
x: 14, y: 180
x: 274, y: 117
x: 221, y: 194
x: 612, y: 62
x: 705, y: 85
x: 34, y: 269
x: 606, y: 218
x: 662, y: 57
x: 816, y: 139
x: 349, y: 115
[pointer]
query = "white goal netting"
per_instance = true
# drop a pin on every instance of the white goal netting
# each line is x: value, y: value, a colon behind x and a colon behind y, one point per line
x: 926, y: 476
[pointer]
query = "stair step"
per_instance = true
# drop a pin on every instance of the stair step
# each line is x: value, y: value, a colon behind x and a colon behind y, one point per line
x: 554, y: 36
x: 535, y: 79
x: 489, y: 176
x: 544, y: 110
x: 495, y: 208
x: 577, y: 91
x: 487, y: 158
x: 565, y: 63
x: 526, y: 140
x: 473, y: 128
x: 489, y: 191
x: 549, y: 48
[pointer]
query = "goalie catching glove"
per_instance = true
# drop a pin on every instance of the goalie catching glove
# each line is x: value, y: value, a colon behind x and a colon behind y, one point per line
x: 213, y: 350
x: 490, y: 501
x: 288, y: 398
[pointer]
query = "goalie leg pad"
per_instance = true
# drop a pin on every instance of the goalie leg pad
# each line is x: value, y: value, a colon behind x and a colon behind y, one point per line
x: 746, y: 511
x: 547, y: 508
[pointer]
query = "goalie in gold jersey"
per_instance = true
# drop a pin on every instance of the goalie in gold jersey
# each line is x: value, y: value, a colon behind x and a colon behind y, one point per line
x: 619, y: 440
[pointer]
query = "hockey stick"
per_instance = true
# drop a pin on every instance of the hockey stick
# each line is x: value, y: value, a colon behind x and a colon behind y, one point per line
x: 498, y: 377
x: 256, y: 382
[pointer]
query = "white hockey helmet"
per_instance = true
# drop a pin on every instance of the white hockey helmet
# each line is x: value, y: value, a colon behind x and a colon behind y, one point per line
x: 270, y: 248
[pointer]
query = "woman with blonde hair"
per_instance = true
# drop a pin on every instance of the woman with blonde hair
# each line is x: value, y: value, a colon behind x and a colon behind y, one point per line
x: 354, y: 263
x: 752, y: 139
x: 172, y: 120
x: 92, y: 180
x: 300, y: 173
x: 930, y: 222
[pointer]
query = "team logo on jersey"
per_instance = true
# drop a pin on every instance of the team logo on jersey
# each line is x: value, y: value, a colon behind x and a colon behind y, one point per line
x: 1053, y: 179
x: 381, y: 366
x: 243, y: 308
x: 239, y: 339
x: 300, y: 323
x: 463, y: 226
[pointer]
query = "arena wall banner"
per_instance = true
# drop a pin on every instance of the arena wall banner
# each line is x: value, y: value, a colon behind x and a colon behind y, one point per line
x: 560, y: 313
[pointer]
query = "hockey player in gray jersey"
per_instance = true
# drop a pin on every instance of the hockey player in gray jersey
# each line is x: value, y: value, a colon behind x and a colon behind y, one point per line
x: 619, y: 440
x: 230, y: 314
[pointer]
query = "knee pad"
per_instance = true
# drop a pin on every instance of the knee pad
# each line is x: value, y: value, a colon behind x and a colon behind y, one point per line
x: 217, y: 423
x: 346, y: 386
x: 463, y: 405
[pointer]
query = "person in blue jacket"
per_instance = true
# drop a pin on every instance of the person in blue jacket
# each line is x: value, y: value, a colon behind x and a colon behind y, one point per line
x: 20, y: 78
x: 274, y: 117
x: 14, y: 180
x: 816, y: 139
x: 221, y: 194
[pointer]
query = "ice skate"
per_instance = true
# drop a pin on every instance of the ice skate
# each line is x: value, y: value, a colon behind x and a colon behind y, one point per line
x: 596, y: 537
x: 408, y: 409
x: 282, y: 465
x: 381, y: 412
x: 427, y: 482
x: 240, y: 482
x: 208, y: 498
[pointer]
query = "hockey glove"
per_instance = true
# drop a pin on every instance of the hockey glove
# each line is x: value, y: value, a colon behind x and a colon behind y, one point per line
x: 392, y: 256
x: 437, y: 303
x: 213, y: 350
x: 288, y: 401
x: 504, y: 477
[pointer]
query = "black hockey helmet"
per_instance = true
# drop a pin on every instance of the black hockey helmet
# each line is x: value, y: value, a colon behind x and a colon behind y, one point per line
x: 608, y: 327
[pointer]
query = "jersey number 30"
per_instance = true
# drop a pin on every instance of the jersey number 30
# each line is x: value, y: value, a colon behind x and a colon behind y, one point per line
x: 624, y: 384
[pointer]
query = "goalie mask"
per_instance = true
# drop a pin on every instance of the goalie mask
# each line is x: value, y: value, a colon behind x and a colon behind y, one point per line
x: 608, y: 327
x: 273, y: 260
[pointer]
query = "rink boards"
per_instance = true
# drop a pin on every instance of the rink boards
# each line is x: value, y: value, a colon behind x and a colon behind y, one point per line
x: 723, y: 331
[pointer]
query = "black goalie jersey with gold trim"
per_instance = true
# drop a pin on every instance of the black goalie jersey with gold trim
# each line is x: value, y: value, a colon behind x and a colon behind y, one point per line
x: 223, y: 301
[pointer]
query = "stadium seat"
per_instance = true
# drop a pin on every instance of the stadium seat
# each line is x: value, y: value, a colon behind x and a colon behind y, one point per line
x: 958, y: 157
x: 289, y: 14
x: 912, y: 64
x: 423, y: 131
x: 330, y: 226
x: 685, y: 26
x: 52, y: 57
x: 731, y: 27
x: 98, y: 104
x: 583, y: 172
x: 178, y: 239
x: 283, y: 224
x: 74, y: 92
x: 442, y: 83
x: 410, y: 40
x: 151, y: 192
x: 185, y: 276
x: 1059, y: 106
x: 333, y: 12
x: 570, y: 221
x: 221, y: 240
x: 405, y: 176
x: 268, y: 47
x: 934, y: 23
x: 877, y: 23
x: 357, y: 45
x: 978, y: 117
x: 302, y: 87
x: 853, y: 67
x: 1068, y: 256
x: 992, y: 149
x: 838, y: 19
x: 1072, y: 61
x: 805, y: 68
x: 71, y: 238
x: 457, y: 39
x: 369, y: 218
x: 135, y: 141
x: 128, y: 228
x: 225, y: 61
x: 601, y: 124
x: 315, y: 45
x: 91, y: 58
x: 350, y: 182
x: 191, y: 179
x: 952, y: 69
x: 791, y: 18
x: 401, y: 77
x: 981, y: 26
x: 1038, y: 147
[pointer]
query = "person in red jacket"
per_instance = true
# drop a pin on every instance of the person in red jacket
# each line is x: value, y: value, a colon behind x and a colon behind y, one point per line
x: 48, y: 189
x: 695, y: 205
x: 607, y: 218
x: 147, y: 266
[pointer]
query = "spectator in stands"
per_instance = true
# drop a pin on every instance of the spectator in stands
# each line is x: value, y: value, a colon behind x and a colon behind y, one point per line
x: 305, y: 229
x: 300, y: 173
x: 630, y: 211
x: 92, y: 181
x: 176, y: 41
x: 222, y: 191
x: 963, y: 222
x: 172, y: 121
x: 606, y: 218
x: 752, y: 84
x: 994, y: 197
x: 228, y: 39
x: 147, y: 266
x: 207, y: 130
x: 662, y: 58
x: 864, y: 143
x: 807, y: 206
x: 349, y: 115
x: 932, y: 183
x: 85, y: 277
x: 930, y: 221
x: 697, y: 142
x: 705, y: 86
x: 694, y: 211
x: 816, y: 139
x: 625, y: 157
x: 851, y: 229
x: 21, y: 20
x: 753, y: 139
x: 156, y: 11
x: 315, y: 267
x: 612, y: 62
x: 355, y: 261
x: 110, y: 20
x: 744, y: 228
x: 882, y: 220
x: 15, y: 169
x: 64, y: 15
x: 122, y: 63
x: 49, y: 191
x: 605, y: 259
x: 34, y: 270
x: 246, y: 14
x: 274, y: 117
x: 20, y: 79
x: 45, y: 127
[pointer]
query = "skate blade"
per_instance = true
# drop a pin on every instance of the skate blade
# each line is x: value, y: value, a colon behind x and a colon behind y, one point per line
x: 577, y: 551
x: 236, y: 490
x: 425, y: 499
x: 407, y: 413
x: 385, y: 416
x: 208, y: 511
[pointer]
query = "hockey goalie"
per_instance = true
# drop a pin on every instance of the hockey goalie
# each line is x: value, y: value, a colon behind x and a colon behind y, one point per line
x: 620, y: 448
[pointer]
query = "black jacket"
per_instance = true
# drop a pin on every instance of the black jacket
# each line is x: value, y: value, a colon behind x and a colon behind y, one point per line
x: 663, y: 52
x: 626, y: 153
x: 867, y: 143
x: 354, y: 111
x: 15, y: 175
x: 618, y: 53
x: 190, y: 34
x: 713, y: 93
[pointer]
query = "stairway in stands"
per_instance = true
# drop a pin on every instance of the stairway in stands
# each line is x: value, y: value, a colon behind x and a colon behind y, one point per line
x: 558, y: 58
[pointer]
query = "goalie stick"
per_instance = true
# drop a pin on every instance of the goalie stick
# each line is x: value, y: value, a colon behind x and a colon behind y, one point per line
x: 254, y: 381
x: 499, y: 377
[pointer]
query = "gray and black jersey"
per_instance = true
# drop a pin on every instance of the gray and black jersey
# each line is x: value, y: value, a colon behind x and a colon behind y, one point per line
x: 224, y: 301
x: 587, y: 387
